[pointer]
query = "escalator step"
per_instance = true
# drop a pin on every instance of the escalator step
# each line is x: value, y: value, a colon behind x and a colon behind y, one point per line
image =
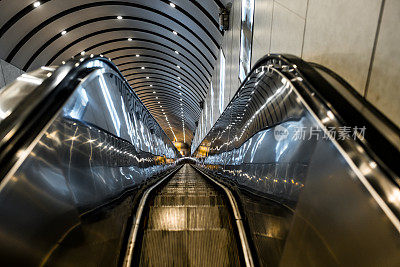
x: 188, y: 224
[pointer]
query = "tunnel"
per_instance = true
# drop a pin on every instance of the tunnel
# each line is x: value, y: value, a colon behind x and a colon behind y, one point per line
x: 199, y: 133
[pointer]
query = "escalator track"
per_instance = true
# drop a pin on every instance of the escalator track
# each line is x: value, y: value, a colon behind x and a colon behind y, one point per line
x: 188, y: 224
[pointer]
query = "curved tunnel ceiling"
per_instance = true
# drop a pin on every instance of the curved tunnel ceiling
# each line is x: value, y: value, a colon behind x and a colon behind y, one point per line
x: 165, y: 49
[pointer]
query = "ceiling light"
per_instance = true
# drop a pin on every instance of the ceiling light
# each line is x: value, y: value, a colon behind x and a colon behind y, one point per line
x: 137, y: 55
x: 91, y: 55
x: 160, y: 106
x: 154, y: 92
x: 147, y: 77
x: 101, y: 55
x: 156, y: 97
x: 83, y: 53
x: 174, y: 32
x: 172, y: 5
x: 119, y: 17
x: 142, y: 68
x: 36, y: 4
x: 63, y: 62
x: 176, y: 52
x: 158, y: 102
x: 151, y: 85
x: 178, y: 66
x: 178, y: 77
x: 130, y: 39
x: 180, y: 93
x: 64, y: 32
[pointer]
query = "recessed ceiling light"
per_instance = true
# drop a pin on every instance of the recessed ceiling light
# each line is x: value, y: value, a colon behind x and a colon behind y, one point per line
x: 180, y: 93
x: 178, y: 66
x: 156, y: 97
x: 178, y: 77
x: 63, y: 62
x: 172, y: 5
x: 36, y: 4
x: 91, y: 55
x: 158, y: 102
x: 64, y: 32
x: 130, y: 39
x: 154, y: 92
x: 83, y: 53
x: 137, y: 55
x: 101, y: 55
x: 176, y: 52
x: 174, y: 32
x: 119, y: 17
x: 142, y: 68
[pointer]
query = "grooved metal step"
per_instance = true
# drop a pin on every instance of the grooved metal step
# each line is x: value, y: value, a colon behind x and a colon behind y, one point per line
x: 188, y: 224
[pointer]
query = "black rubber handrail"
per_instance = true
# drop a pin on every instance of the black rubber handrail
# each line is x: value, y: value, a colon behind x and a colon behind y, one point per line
x: 375, y: 142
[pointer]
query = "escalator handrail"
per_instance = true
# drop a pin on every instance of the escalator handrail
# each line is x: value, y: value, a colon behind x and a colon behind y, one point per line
x: 316, y: 89
x: 34, y: 112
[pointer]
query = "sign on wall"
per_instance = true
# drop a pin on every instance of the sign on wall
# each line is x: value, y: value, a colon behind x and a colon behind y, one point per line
x: 246, y: 38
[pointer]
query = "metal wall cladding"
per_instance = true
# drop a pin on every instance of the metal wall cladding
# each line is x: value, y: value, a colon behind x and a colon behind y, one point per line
x: 255, y: 143
x: 102, y: 143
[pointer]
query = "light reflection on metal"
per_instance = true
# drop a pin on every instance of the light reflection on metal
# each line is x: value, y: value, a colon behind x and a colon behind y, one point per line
x: 110, y: 104
x: 30, y: 79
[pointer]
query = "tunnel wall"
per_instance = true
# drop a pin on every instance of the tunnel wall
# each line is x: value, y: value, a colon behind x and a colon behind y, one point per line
x: 356, y: 39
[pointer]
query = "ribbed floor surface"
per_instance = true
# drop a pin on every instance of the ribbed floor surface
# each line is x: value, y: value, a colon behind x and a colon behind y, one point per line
x: 188, y: 225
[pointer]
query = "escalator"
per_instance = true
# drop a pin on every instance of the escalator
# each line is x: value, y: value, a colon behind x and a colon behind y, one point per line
x: 89, y: 178
x: 313, y: 165
x: 188, y: 223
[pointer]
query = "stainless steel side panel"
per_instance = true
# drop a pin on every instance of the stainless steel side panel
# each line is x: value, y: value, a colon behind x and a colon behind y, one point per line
x: 101, y: 144
x: 270, y: 146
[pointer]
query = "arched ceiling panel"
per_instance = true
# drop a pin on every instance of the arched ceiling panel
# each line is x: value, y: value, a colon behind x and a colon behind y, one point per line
x: 148, y: 54
x: 162, y: 68
x: 177, y: 43
x: 134, y: 42
x: 112, y: 43
x: 41, y: 42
